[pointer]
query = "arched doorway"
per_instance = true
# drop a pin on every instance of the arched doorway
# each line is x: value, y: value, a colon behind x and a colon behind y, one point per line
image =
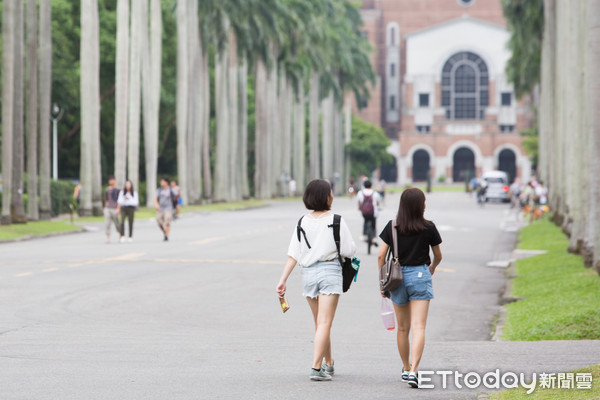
x: 463, y: 166
x: 507, y: 162
x: 420, y: 165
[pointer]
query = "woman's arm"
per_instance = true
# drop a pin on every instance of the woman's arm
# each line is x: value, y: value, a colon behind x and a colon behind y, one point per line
x: 437, y: 258
x: 287, y: 270
x: 383, y: 249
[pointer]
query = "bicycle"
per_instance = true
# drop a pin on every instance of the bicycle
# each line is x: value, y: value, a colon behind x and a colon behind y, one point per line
x: 370, y: 233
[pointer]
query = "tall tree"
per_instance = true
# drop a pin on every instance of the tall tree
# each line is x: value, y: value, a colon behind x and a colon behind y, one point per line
x: 121, y: 91
x: 314, y: 169
x: 243, y: 128
x: 8, y: 91
x: 594, y: 127
x: 32, y: 111
x: 182, y: 96
x: 18, y: 206
x: 135, y: 89
x: 299, y: 134
x: 45, y: 92
x: 90, y: 108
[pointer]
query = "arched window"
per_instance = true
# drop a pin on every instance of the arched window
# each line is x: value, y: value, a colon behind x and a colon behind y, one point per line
x: 465, y: 90
x: 392, y: 36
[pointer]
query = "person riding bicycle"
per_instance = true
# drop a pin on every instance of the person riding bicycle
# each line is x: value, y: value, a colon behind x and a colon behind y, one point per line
x: 368, y: 204
x: 482, y: 191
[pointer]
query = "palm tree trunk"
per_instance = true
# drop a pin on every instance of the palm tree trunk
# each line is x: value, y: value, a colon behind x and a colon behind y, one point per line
x: 121, y: 91
x: 273, y: 136
x: 18, y: 207
x: 45, y: 76
x: 206, y: 171
x: 314, y: 170
x: 299, y: 151
x: 327, y: 135
x: 135, y: 53
x: 90, y: 84
x: 97, y: 200
x: 196, y: 113
x: 278, y: 136
x: 347, y: 137
x: 222, y: 174
x: 594, y: 106
x: 234, y: 132
x: 338, y: 151
x: 261, y: 173
x: 8, y: 73
x: 182, y: 97
x: 32, y: 112
x: 151, y: 137
x: 243, y: 128
x: 286, y: 132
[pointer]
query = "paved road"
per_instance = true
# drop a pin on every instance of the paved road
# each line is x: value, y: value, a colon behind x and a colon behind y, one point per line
x: 197, y: 318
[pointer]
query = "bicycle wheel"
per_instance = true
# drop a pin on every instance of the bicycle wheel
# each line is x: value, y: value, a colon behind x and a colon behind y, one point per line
x: 370, y: 236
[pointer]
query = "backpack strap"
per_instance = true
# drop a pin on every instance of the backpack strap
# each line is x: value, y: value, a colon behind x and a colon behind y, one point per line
x: 300, y: 230
x: 336, y: 234
x: 395, y: 242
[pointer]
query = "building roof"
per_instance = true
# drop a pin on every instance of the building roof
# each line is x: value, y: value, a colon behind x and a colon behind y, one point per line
x: 456, y: 21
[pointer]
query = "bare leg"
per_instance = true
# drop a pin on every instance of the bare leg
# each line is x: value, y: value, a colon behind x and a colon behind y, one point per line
x: 314, y: 307
x: 327, y: 305
x: 418, y: 312
x: 167, y: 230
x: 403, y: 318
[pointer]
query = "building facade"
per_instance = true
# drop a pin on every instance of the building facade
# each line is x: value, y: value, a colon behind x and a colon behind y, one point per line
x: 442, y: 95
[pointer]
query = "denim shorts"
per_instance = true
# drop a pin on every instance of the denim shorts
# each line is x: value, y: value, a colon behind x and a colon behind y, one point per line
x: 322, y: 277
x: 416, y: 285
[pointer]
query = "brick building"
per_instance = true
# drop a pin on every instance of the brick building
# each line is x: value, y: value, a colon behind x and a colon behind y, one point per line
x: 442, y: 95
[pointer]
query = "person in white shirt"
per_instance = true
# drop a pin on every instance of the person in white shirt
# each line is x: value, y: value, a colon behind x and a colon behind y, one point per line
x: 313, y: 248
x: 128, y: 201
x: 369, y: 202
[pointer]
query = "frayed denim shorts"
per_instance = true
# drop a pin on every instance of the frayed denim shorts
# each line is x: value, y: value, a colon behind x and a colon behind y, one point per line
x: 416, y: 285
x: 322, y: 277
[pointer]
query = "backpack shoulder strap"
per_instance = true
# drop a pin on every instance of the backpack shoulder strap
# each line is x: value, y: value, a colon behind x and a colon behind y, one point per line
x: 300, y: 231
x: 336, y: 233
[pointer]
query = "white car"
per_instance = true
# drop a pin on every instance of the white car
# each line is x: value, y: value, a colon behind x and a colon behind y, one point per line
x: 497, y: 185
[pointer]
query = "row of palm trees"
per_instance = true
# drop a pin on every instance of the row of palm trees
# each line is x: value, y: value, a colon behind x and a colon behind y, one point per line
x: 26, y: 97
x: 569, y: 117
x: 302, y: 55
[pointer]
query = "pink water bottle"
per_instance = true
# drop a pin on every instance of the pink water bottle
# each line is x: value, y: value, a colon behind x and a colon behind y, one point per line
x: 387, y: 314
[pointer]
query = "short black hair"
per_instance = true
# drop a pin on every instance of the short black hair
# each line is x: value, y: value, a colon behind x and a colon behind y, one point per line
x: 316, y: 195
x: 164, y: 178
x: 367, y: 184
x: 111, y: 177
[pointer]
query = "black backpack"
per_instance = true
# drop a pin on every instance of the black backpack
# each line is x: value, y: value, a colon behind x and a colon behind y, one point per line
x: 348, y: 272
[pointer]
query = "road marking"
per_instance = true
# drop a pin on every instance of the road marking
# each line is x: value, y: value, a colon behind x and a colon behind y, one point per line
x: 445, y: 269
x: 22, y: 274
x: 237, y: 235
x: 76, y: 265
x: 51, y: 269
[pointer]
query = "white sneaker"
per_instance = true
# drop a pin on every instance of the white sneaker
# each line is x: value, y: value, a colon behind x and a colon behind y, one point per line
x: 122, y: 240
x: 130, y: 240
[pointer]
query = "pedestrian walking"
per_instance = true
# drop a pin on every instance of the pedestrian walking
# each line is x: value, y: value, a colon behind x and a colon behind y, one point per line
x: 111, y: 208
x: 164, y: 207
x: 313, y: 248
x: 177, y: 200
x: 415, y: 236
x: 129, y: 201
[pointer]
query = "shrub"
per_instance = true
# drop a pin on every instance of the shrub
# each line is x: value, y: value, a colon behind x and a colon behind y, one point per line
x: 441, y: 178
x: 61, y: 193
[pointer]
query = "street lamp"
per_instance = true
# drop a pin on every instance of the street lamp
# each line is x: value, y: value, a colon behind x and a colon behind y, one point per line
x: 56, y: 115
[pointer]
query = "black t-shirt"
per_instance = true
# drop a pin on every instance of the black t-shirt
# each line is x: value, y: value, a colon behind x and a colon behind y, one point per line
x: 413, y: 250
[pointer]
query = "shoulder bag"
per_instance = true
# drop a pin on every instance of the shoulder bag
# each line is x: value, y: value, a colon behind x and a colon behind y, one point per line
x: 390, y: 274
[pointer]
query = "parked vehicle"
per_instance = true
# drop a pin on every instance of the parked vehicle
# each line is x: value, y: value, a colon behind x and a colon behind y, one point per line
x: 497, y: 185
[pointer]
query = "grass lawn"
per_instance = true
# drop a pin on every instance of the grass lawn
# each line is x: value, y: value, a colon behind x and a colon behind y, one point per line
x: 16, y: 231
x: 551, y: 394
x: 434, y: 188
x: 561, y: 296
x: 148, y: 212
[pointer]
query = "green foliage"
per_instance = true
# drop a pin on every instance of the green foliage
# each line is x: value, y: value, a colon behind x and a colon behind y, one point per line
x: 526, y: 24
x: 62, y: 196
x: 561, y: 296
x: 367, y: 149
x: 38, y: 228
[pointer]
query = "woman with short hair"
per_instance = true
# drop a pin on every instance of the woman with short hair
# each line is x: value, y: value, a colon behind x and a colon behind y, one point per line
x: 313, y: 248
x: 415, y: 235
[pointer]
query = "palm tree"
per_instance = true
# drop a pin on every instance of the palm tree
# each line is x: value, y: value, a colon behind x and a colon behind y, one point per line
x: 32, y: 114
x: 182, y: 96
x: 18, y: 206
x: 594, y: 90
x: 299, y: 136
x: 242, y: 169
x: 45, y: 76
x: 8, y: 73
x: 314, y: 170
x: 121, y: 91
x: 234, y: 132
x: 222, y: 175
x: 135, y: 53
x: 327, y: 111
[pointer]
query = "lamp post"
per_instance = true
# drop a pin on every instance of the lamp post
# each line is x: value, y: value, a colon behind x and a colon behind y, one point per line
x: 56, y: 115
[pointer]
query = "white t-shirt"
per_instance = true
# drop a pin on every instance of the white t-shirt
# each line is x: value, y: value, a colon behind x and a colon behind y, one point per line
x: 376, y: 199
x: 320, y: 237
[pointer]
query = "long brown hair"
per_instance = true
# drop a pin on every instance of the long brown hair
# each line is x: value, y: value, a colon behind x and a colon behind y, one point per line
x: 410, y: 219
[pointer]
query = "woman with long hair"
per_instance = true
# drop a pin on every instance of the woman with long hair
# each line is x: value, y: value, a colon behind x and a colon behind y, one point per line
x: 415, y: 236
x: 313, y: 248
x: 129, y: 201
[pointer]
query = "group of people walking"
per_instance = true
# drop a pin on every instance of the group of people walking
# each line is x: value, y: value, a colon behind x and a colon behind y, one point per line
x: 315, y: 250
x: 120, y: 205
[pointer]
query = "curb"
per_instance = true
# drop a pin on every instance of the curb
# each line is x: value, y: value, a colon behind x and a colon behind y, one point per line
x: 44, y: 236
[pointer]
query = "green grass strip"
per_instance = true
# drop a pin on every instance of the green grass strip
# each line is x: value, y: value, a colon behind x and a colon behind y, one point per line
x: 561, y: 296
x: 16, y: 231
x: 553, y: 394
